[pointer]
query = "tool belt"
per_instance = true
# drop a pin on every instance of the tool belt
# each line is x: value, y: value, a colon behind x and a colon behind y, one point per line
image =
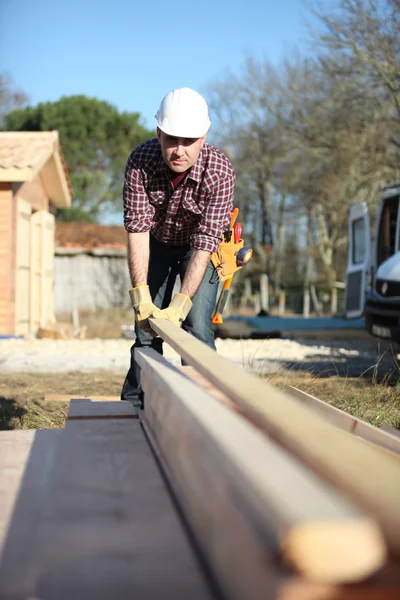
x: 224, y: 259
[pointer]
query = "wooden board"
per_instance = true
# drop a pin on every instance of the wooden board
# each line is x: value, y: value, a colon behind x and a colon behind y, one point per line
x: 203, y: 382
x: 347, y: 422
x: 389, y: 429
x: 89, y: 409
x: 366, y: 474
x: 214, y: 453
x: 15, y: 447
x: 27, y: 458
x: 108, y: 527
x: 68, y: 397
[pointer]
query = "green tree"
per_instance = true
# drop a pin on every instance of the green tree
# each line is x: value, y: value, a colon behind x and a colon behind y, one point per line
x: 96, y: 140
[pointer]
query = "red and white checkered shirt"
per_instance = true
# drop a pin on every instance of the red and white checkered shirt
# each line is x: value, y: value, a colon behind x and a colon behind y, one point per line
x: 196, y: 212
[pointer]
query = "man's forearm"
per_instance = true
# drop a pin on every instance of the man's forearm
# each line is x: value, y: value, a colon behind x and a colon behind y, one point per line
x: 195, y: 272
x: 138, y: 257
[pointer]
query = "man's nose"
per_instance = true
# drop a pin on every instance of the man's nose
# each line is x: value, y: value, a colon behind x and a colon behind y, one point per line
x: 179, y: 149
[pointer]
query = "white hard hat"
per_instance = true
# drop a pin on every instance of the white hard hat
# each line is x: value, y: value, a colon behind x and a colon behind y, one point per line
x: 183, y: 113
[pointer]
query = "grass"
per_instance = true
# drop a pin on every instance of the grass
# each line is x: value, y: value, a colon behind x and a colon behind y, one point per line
x: 371, y: 397
x: 22, y: 403
x: 371, y: 401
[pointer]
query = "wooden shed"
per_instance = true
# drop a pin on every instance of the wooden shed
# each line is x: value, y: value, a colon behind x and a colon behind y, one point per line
x: 33, y: 183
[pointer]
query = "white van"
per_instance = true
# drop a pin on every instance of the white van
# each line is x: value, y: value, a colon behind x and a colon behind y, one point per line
x: 373, y: 271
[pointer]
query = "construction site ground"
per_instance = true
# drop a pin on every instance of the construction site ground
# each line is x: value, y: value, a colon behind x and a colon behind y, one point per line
x: 357, y: 376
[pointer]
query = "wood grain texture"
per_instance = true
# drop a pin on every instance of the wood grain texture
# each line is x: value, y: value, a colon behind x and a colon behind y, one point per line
x: 109, y: 529
x: 15, y: 447
x: 347, y: 422
x: 391, y: 430
x: 216, y: 454
x: 27, y: 459
x: 68, y: 397
x: 367, y: 475
x: 89, y: 409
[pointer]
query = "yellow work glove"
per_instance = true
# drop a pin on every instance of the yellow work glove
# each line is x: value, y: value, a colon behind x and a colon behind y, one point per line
x: 143, y: 306
x: 177, y: 311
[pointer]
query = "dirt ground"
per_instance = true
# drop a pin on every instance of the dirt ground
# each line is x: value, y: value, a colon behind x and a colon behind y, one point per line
x: 334, y: 372
x: 22, y: 396
x: 23, y: 404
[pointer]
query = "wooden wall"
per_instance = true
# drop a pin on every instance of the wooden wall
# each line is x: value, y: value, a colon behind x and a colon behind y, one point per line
x: 34, y: 193
x: 7, y: 259
x: 26, y: 258
x: 41, y: 272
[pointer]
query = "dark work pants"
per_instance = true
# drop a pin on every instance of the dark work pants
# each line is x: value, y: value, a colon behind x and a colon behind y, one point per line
x: 166, y: 263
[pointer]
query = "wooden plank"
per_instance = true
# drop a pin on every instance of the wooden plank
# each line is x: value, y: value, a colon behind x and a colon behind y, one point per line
x: 109, y: 528
x: 284, y: 585
x: 366, y: 474
x: 87, y: 409
x: 27, y: 459
x: 68, y: 397
x: 204, y: 383
x: 208, y: 387
x: 214, y: 453
x: 347, y: 422
x: 391, y: 430
x: 15, y: 447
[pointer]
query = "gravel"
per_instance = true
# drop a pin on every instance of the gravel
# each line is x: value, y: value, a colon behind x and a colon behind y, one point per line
x: 262, y: 356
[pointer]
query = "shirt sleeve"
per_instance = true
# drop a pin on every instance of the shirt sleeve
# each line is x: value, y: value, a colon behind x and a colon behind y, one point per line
x: 138, y: 212
x: 216, y: 215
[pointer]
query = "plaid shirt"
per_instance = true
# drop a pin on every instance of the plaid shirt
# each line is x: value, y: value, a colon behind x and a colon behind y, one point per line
x: 196, y: 213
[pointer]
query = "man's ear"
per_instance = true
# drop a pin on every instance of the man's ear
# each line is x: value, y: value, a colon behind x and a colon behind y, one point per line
x: 203, y: 140
x: 159, y: 134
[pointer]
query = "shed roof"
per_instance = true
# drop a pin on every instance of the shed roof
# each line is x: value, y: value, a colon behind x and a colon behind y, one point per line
x: 89, y: 236
x: 23, y: 154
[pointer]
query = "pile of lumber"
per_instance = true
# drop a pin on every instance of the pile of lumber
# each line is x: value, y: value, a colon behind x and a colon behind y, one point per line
x: 62, y: 331
x: 224, y: 487
x: 283, y: 503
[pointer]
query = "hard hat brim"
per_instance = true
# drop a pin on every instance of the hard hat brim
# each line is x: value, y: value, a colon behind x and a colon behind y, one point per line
x: 185, y: 132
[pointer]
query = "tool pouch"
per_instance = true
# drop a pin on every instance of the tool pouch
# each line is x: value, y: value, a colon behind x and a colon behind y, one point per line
x: 224, y: 259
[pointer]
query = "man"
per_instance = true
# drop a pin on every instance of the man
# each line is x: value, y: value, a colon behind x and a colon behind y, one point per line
x: 178, y: 196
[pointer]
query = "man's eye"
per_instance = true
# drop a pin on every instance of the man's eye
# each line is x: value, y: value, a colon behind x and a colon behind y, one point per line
x: 189, y: 141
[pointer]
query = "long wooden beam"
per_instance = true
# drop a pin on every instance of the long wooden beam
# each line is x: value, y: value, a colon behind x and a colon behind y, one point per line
x: 366, y: 474
x: 223, y: 465
x: 347, y: 422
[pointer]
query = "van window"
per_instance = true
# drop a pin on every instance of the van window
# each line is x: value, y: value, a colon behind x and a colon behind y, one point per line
x: 359, y: 241
x: 386, y: 246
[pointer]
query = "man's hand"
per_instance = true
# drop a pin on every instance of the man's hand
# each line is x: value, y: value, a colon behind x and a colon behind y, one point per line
x: 177, y: 311
x: 143, y: 306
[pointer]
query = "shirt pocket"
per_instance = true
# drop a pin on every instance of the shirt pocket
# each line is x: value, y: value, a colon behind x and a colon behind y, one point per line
x: 191, y: 211
x: 158, y: 198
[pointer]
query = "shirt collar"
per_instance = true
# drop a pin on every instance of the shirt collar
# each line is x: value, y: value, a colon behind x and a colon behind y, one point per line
x: 195, y: 172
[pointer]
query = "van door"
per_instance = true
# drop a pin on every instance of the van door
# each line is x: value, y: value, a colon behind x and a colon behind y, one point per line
x: 357, y: 275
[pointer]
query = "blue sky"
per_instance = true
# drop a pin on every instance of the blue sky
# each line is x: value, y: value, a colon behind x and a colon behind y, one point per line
x: 131, y: 53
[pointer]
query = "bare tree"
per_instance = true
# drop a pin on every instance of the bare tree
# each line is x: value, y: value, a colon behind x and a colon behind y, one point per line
x: 316, y: 137
x: 11, y: 97
x: 341, y: 151
x: 361, y: 39
x: 246, y: 108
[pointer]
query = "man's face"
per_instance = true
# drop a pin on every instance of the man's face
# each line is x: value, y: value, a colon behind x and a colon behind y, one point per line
x: 180, y: 153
